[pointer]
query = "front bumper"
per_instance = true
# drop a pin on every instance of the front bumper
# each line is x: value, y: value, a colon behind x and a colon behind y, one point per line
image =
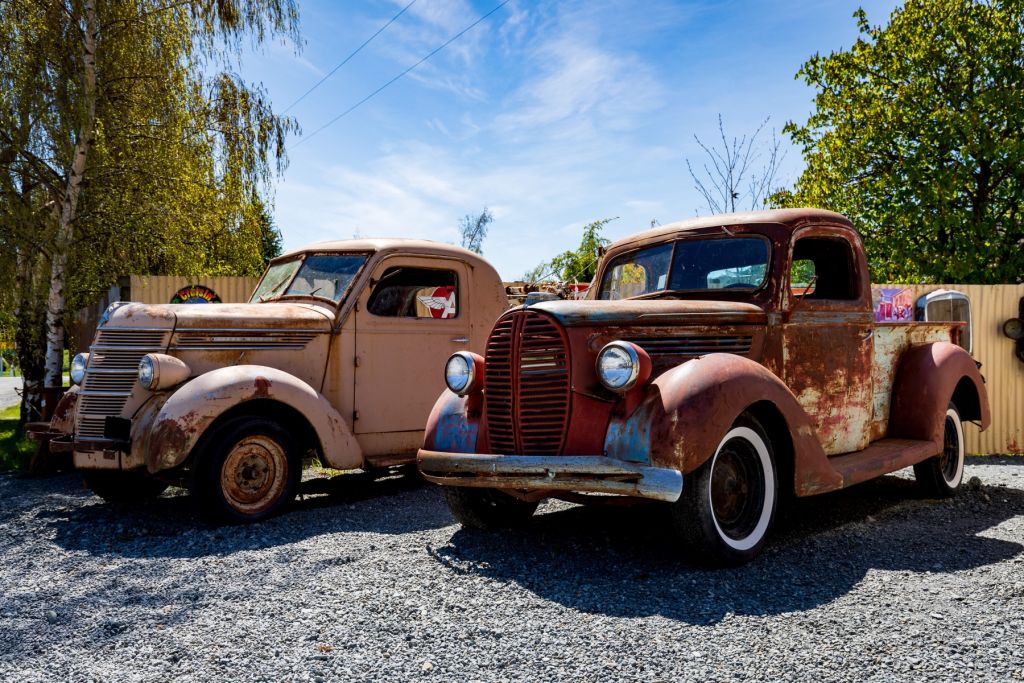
x: 581, y: 473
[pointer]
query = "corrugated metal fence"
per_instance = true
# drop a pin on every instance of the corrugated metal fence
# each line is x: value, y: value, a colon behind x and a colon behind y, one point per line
x: 158, y: 289
x: 991, y: 306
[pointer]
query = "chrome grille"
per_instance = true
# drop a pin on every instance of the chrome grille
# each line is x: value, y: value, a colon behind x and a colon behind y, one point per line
x: 527, y: 385
x: 111, y: 375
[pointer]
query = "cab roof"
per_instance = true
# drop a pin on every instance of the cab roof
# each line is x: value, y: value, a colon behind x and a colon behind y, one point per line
x: 387, y: 244
x: 786, y: 218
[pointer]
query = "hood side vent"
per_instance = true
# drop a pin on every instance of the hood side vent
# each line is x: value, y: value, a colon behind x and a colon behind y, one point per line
x: 693, y: 345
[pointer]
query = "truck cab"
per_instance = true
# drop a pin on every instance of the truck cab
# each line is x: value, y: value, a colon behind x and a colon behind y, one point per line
x: 717, y: 364
x: 336, y: 357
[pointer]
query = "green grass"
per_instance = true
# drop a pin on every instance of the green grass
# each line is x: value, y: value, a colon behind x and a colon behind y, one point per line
x: 15, y: 448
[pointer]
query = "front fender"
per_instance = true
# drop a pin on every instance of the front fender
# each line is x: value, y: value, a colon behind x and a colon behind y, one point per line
x: 928, y: 378
x: 193, y: 407
x: 688, y: 410
x: 452, y: 427
x: 64, y: 414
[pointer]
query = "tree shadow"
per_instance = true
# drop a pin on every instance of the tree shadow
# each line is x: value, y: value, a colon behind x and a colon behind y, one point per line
x: 393, y: 504
x: 622, y: 561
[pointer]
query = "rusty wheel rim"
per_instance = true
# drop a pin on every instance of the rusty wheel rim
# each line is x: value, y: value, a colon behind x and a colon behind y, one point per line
x: 737, y: 489
x: 254, y: 475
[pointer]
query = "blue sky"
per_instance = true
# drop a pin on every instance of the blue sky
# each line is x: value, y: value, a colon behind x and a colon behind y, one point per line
x: 551, y: 114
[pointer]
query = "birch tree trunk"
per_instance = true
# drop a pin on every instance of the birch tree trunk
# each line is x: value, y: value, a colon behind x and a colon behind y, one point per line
x: 69, y: 202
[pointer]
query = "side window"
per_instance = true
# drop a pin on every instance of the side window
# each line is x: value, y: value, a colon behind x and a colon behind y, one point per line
x: 802, y: 279
x: 404, y: 292
x: 824, y: 268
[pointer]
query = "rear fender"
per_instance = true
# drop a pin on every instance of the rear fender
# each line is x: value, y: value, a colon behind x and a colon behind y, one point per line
x: 688, y: 410
x: 928, y: 378
x: 192, y: 408
x: 452, y: 427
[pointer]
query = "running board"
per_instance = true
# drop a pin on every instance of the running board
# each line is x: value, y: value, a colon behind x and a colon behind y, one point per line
x: 882, y: 457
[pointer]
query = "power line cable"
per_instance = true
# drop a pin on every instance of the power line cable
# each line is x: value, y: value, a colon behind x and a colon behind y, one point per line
x: 378, y: 90
x: 346, y: 60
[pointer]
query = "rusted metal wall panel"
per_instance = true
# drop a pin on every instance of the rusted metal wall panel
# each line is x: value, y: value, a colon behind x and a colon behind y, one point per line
x: 991, y: 305
x: 158, y: 289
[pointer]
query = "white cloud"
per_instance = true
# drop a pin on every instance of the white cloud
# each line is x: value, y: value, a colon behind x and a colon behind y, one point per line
x: 581, y: 90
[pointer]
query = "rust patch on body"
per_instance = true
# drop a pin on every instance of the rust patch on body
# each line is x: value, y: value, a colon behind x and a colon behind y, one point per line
x: 262, y: 385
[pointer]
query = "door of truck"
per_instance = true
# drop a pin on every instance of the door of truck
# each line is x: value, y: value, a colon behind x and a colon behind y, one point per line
x: 827, y: 339
x: 410, y: 318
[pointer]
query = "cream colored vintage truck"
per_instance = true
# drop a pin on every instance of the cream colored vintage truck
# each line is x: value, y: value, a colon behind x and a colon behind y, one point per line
x: 335, y: 356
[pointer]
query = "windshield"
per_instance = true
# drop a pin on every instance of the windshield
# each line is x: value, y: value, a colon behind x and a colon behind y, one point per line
x: 688, y: 265
x: 326, y: 276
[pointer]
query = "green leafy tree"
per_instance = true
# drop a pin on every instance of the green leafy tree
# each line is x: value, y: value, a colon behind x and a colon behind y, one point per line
x: 918, y: 136
x: 473, y: 230
x: 127, y: 143
x: 575, y: 265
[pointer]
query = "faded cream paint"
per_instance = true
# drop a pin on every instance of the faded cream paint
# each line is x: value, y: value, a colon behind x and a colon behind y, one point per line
x: 303, y: 355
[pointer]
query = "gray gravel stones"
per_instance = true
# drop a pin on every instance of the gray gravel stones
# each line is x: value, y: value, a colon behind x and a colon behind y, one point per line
x: 373, y: 581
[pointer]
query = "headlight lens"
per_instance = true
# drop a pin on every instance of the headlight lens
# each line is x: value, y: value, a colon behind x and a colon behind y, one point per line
x: 458, y: 373
x: 147, y: 372
x: 617, y: 367
x: 78, y: 364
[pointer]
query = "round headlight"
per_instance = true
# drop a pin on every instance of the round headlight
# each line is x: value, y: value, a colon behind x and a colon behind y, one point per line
x: 78, y: 364
x: 458, y: 373
x: 617, y: 366
x: 147, y: 372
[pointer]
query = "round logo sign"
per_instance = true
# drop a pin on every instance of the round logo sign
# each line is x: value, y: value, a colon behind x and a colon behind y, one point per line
x: 441, y: 302
x: 195, y: 294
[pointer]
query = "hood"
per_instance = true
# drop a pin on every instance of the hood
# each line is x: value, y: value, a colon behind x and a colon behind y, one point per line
x: 286, y: 316
x: 651, y: 312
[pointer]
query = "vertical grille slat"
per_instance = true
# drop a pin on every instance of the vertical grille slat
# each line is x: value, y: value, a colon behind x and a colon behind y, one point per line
x: 527, y: 385
x: 111, y: 375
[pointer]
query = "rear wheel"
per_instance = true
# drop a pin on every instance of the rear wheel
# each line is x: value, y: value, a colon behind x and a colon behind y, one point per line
x: 728, y: 503
x: 940, y: 476
x: 479, y: 508
x: 248, y: 471
x: 116, y: 486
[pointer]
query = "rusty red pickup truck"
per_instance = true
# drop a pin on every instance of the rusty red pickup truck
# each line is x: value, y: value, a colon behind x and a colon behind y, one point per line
x: 718, y: 364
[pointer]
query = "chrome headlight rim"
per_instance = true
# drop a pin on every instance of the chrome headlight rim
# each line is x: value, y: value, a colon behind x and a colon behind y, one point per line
x: 471, y: 377
x: 149, y: 373
x: 78, y: 367
x: 629, y: 350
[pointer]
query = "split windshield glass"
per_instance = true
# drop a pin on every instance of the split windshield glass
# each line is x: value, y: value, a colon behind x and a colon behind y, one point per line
x: 691, y: 265
x: 326, y: 276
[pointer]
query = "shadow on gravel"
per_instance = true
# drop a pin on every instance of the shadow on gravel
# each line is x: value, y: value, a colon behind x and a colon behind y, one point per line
x: 347, y: 502
x: 621, y: 561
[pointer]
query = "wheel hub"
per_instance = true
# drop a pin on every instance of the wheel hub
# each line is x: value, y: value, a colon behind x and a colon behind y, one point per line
x: 254, y: 474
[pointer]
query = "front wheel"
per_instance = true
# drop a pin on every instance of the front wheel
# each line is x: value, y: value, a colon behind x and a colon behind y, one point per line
x: 728, y: 503
x: 940, y: 475
x: 248, y: 471
x: 479, y: 508
x: 116, y: 486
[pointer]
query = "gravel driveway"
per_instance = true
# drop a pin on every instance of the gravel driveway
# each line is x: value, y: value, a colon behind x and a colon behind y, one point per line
x: 374, y: 582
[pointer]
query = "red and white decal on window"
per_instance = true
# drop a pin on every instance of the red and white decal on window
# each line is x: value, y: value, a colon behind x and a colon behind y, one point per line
x: 441, y: 302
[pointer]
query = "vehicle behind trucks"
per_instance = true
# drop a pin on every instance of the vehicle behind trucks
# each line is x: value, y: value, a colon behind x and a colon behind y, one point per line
x: 335, y: 356
x: 717, y: 364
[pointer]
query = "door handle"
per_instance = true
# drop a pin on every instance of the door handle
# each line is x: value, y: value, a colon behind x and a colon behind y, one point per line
x: 460, y: 340
x: 868, y: 336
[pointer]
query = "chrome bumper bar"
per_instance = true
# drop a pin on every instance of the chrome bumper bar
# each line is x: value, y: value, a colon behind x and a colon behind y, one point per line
x: 583, y: 473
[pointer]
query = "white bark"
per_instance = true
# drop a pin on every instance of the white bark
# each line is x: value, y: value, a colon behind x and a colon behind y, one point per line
x: 69, y: 202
